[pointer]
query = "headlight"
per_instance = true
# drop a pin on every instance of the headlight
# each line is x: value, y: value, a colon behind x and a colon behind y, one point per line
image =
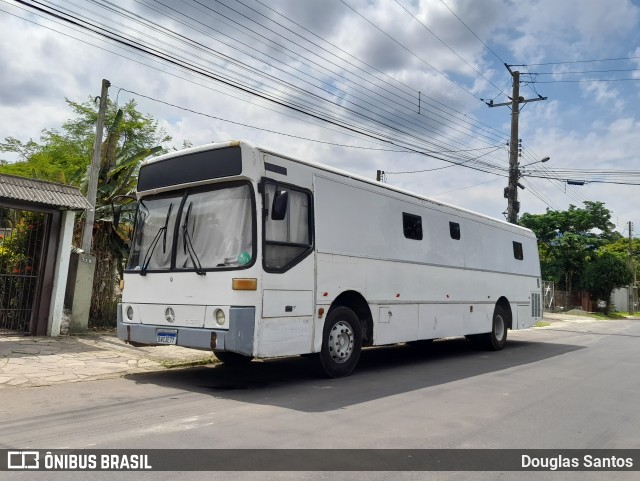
x: 130, y: 313
x: 220, y: 318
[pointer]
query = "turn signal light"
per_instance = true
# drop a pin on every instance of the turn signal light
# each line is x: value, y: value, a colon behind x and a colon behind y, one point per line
x: 240, y: 284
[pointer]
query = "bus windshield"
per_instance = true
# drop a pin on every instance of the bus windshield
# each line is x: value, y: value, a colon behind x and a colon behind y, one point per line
x: 195, y: 230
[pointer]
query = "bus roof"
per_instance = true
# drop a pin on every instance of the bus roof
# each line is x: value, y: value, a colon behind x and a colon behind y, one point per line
x: 327, y: 168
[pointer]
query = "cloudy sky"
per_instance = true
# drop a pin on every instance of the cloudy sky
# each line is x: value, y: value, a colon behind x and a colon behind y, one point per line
x: 396, y: 85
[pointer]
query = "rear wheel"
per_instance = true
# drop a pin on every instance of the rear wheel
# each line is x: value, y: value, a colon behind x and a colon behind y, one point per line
x: 341, y: 342
x: 497, y: 338
x: 232, y: 358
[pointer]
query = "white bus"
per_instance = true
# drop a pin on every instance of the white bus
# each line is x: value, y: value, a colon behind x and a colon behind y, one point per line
x: 250, y: 253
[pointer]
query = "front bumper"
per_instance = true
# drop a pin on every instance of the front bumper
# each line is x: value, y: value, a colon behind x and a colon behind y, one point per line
x: 238, y: 338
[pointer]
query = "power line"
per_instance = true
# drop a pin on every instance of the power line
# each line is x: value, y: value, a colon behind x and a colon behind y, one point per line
x: 248, y: 89
x: 177, y: 76
x: 582, y: 80
x: 447, y: 45
x: 561, y: 185
x: 338, y: 48
x: 592, y: 181
x: 406, y: 119
x: 294, y: 55
x: 446, y: 166
x: 575, y: 72
x: 174, y: 61
x: 473, y: 33
x: 404, y: 47
x: 464, y: 188
x: 474, y: 124
x: 186, y: 109
x: 462, y: 117
x: 538, y: 194
x: 577, y: 61
x: 413, y: 94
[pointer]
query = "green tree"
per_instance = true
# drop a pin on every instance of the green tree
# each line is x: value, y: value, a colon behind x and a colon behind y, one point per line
x: 567, y: 239
x: 620, y: 248
x: 64, y: 156
x: 603, y: 274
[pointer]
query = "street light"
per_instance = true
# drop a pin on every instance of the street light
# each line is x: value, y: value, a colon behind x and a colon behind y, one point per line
x: 544, y: 159
x: 522, y: 173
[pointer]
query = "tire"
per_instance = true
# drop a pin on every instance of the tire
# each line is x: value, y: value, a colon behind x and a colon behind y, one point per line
x: 341, y: 342
x: 497, y: 338
x: 232, y: 358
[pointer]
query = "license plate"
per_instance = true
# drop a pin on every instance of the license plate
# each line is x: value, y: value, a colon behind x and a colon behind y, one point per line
x: 166, y: 336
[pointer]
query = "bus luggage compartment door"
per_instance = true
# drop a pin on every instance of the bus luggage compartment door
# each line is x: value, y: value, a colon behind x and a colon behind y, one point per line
x: 286, y: 325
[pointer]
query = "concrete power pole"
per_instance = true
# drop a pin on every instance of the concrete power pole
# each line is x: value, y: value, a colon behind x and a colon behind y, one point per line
x: 92, y: 190
x: 513, y: 206
x: 631, y: 293
x: 511, y: 191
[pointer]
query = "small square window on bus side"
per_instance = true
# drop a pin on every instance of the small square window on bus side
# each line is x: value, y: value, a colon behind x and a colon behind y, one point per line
x: 517, y: 250
x: 412, y: 226
x: 454, y: 230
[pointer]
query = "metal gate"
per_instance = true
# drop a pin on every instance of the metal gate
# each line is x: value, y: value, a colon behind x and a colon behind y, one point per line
x: 23, y: 236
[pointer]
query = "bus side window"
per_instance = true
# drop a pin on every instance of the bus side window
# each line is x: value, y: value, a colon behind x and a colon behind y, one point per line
x: 454, y: 230
x: 287, y: 232
x: 412, y: 226
x: 517, y: 250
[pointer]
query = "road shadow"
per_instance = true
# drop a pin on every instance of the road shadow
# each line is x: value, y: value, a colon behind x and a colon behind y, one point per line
x: 297, y: 383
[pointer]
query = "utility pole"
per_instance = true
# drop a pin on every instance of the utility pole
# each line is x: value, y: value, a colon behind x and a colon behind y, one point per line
x: 511, y: 191
x: 631, y: 295
x: 92, y: 190
x: 513, y: 206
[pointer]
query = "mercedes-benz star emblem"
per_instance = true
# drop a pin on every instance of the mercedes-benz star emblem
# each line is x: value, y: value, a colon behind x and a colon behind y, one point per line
x: 169, y: 315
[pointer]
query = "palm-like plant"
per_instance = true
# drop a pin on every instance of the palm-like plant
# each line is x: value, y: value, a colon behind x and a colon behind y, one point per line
x: 115, y: 207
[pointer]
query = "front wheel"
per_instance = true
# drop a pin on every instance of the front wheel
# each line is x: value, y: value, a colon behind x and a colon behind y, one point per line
x: 341, y: 342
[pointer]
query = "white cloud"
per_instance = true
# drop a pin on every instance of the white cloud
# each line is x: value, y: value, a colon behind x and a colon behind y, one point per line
x: 604, y: 94
x: 596, y: 129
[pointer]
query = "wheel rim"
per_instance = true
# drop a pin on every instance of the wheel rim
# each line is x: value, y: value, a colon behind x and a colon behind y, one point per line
x: 341, y: 342
x: 498, y: 326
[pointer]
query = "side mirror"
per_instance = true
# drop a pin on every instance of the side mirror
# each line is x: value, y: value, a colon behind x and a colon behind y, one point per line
x: 279, y: 206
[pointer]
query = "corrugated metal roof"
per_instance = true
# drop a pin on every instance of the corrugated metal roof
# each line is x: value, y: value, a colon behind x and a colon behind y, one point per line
x: 41, y: 192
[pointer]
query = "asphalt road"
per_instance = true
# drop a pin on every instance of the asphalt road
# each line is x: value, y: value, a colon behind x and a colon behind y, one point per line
x: 574, y: 385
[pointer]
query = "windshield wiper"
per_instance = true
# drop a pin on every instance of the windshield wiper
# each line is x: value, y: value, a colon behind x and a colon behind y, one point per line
x: 188, y: 245
x: 154, y: 243
x: 166, y: 223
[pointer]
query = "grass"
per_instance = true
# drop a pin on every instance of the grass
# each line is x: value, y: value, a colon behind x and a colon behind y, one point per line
x: 542, y: 324
x: 605, y: 317
x: 196, y: 362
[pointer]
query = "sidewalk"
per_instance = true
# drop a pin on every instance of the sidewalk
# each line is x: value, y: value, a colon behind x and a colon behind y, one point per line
x: 27, y: 361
